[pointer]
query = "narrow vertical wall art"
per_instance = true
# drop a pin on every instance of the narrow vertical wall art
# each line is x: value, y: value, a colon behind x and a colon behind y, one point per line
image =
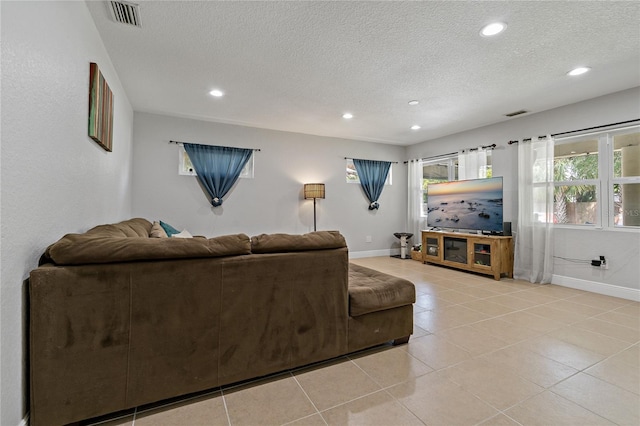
x: 100, y: 108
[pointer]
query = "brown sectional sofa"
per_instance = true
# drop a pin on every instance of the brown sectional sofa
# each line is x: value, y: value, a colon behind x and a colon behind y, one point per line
x: 119, y: 319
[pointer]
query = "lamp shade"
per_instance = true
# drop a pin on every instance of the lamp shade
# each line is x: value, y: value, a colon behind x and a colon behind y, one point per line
x: 313, y: 190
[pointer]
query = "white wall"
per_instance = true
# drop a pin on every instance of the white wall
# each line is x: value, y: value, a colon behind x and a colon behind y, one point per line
x: 272, y: 201
x: 621, y: 248
x: 54, y: 178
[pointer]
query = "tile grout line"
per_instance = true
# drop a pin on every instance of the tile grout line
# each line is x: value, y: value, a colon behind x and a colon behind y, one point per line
x: 226, y: 409
x: 548, y: 332
x: 307, y: 417
x: 353, y: 399
x: 583, y: 370
x: 542, y: 355
x: 607, y: 359
x: 543, y: 389
x: 564, y: 324
x: 578, y: 370
x: 308, y: 398
x: 511, y: 371
x: 500, y: 413
x: 581, y: 406
x: 369, y: 376
x: 530, y: 313
x: 385, y: 390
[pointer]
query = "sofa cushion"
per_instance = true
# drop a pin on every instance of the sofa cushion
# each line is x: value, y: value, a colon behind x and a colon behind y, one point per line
x: 157, y: 231
x: 372, y: 291
x: 137, y: 227
x: 170, y: 230
x: 183, y: 234
x: 282, y: 243
x: 78, y: 249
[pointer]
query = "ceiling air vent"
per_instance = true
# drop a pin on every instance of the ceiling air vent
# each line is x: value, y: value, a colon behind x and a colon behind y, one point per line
x: 125, y: 13
x: 513, y: 114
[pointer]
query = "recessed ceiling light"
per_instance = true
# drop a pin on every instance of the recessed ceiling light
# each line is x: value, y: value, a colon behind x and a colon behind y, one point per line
x: 415, y: 127
x: 578, y: 71
x: 414, y: 102
x: 493, y: 29
x: 347, y: 115
x: 217, y: 93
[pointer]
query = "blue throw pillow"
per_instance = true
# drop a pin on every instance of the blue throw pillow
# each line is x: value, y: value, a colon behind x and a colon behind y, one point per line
x: 170, y: 230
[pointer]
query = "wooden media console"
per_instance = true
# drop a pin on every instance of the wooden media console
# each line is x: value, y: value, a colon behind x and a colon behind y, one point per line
x: 484, y: 254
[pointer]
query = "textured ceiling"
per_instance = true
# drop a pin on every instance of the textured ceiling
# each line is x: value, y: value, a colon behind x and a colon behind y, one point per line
x: 297, y: 66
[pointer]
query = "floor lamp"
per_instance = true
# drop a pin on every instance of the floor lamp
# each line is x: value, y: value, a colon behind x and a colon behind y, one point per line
x: 313, y: 190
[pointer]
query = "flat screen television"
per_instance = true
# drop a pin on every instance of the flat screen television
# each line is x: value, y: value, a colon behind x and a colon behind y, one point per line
x: 472, y: 205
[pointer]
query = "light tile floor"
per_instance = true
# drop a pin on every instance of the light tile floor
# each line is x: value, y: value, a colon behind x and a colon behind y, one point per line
x: 483, y: 352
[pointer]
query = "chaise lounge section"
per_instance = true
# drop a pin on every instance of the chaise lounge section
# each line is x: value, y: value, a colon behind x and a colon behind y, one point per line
x: 380, y: 305
x: 119, y: 319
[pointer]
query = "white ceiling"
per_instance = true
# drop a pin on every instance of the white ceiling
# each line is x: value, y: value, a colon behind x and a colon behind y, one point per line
x: 298, y: 66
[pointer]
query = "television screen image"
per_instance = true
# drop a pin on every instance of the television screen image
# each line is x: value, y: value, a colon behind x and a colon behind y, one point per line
x: 466, y: 204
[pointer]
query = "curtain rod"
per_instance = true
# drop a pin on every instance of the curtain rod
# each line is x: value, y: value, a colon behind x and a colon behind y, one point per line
x: 492, y: 146
x: 580, y: 130
x: 182, y: 143
x: 349, y: 158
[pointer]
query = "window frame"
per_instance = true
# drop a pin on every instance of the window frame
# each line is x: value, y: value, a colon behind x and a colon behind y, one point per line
x: 353, y: 172
x: 452, y: 172
x: 246, y: 173
x: 604, y: 184
x: 597, y: 183
x: 613, y: 180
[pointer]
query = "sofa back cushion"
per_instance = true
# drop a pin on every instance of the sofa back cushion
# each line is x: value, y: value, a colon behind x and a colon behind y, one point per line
x: 282, y: 243
x: 137, y: 227
x: 78, y: 249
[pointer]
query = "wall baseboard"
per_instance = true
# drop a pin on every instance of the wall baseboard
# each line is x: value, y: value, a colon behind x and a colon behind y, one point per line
x: 596, y: 287
x: 373, y: 253
x: 25, y: 420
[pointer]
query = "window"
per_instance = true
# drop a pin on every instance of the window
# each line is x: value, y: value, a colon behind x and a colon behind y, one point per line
x: 352, y: 173
x: 186, y: 168
x: 184, y: 165
x: 597, y: 180
x: 434, y: 171
x: 576, y: 182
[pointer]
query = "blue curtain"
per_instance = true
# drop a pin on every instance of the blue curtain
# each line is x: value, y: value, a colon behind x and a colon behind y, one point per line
x: 372, y: 176
x: 217, y: 167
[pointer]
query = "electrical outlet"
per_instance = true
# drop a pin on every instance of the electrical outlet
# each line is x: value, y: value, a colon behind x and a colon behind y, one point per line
x: 603, y: 263
x: 368, y: 239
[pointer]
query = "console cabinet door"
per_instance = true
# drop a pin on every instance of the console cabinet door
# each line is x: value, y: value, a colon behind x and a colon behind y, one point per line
x: 431, y: 247
x: 482, y: 255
